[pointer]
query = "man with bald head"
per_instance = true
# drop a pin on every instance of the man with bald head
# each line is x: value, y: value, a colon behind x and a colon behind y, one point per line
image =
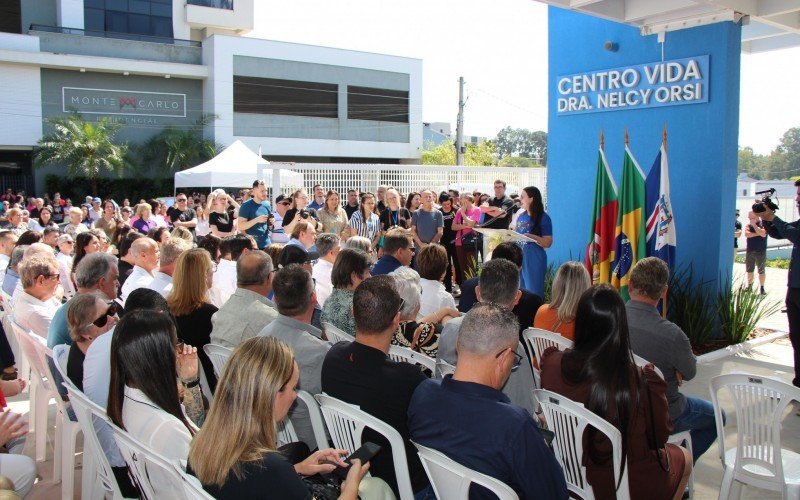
x: 145, y: 254
x: 248, y: 310
x: 170, y: 251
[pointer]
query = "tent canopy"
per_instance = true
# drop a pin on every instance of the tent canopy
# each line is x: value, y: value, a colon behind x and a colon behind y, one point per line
x: 235, y: 167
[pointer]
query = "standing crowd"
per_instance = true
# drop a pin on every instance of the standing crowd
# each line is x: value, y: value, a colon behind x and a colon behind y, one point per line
x: 138, y: 291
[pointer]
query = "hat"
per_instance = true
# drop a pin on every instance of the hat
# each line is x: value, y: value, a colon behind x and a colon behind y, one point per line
x: 280, y: 198
x: 64, y: 238
x: 96, y: 200
x: 293, y: 254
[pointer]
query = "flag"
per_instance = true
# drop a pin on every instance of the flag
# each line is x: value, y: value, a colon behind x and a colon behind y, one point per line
x: 600, y: 250
x: 661, y: 239
x: 630, y: 242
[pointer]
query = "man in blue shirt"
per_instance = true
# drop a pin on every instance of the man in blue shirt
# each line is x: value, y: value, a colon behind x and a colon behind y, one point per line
x: 467, y: 417
x: 255, y: 215
x: 398, y: 250
x: 319, y: 197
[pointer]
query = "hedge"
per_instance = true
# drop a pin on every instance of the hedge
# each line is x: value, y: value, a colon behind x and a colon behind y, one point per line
x: 133, y: 189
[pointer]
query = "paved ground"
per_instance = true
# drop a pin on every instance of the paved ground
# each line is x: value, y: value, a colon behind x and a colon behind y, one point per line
x: 773, y: 360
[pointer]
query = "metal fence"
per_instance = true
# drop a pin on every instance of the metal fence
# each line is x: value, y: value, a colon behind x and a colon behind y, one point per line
x: 404, y: 178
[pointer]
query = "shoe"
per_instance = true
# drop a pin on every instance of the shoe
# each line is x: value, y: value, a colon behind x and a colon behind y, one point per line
x: 10, y: 375
x: 763, y: 292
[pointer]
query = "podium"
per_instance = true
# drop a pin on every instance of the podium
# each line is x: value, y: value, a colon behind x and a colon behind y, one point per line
x: 493, y: 237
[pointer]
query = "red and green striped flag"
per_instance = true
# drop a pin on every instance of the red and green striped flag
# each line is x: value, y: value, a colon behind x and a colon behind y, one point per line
x: 600, y: 250
x: 631, y: 234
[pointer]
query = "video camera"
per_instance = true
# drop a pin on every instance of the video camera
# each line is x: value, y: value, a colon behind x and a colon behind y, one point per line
x: 766, y: 201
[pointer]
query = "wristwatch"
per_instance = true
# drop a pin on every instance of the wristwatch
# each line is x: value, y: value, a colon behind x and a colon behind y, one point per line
x: 191, y: 383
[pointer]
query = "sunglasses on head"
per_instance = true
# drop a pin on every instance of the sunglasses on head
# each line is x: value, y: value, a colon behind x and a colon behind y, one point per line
x: 103, y: 320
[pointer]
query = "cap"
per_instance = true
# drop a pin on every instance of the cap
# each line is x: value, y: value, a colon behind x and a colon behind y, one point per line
x: 96, y: 200
x: 280, y: 198
x: 293, y: 254
x: 64, y: 238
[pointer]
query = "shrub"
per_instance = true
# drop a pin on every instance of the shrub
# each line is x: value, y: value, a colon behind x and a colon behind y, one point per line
x: 739, y: 309
x: 133, y: 189
x: 691, y: 305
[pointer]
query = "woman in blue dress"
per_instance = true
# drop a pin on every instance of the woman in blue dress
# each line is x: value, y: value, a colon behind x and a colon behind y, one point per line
x: 535, y: 224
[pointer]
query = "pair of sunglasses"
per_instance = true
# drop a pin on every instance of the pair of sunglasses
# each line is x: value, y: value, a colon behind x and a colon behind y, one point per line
x: 103, y: 320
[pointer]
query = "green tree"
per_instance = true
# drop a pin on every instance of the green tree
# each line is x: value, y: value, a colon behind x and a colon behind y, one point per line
x: 84, y: 148
x: 789, y: 147
x: 482, y: 154
x: 750, y: 163
x: 175, y: 149
x: 518, y: 162
x: 522, y: 142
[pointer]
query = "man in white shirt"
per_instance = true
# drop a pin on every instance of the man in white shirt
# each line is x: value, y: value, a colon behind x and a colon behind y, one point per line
x: 95, y: 212
x: 8, y: 240
x: 32, y: 250
x: 328, y: 248
x: 248, y: 310
x: 145, y: 255
x: 170, y: 251
x: 278, y: 235
x: 224, y: 283
x: 34, y: 309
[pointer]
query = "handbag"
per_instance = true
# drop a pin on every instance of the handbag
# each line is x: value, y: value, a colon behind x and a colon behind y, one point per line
x: 469, y: 241
x: 661, y: 452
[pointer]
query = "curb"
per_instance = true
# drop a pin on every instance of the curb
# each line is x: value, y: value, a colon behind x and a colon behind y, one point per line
x: 733, y: 350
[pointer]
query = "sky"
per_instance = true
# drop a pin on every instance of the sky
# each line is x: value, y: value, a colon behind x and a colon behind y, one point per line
x: 500, y: 48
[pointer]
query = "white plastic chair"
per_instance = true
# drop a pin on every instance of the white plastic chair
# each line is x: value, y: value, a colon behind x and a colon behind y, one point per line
x: 346, y: 423
x: 67, y: 430
x: 317, y: 423
x: 451, y: 480
x: 143, y: 463
x: 39, y: 389
x: 192, y: 488
x: 537, y: 341
x: 444, y: 368
x: 757, y: 459
x: 23, y: 367
x: 684, y: 438
x: 335, y: 334
x: 218, y: 355
x: 406, y: 355
x: 641, y: 362
x: 568, y: 420
x: 98, y: 478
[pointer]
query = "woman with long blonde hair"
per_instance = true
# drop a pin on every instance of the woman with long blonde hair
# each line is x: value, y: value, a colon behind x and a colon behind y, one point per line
x: 235, y: 453
x: 571, y: 280
x: 190, y: 304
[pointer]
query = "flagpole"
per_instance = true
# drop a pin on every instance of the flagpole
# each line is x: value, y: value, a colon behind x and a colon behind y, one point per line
x: 602, y: 140
x: 626, y: 137
x: 664, y: 137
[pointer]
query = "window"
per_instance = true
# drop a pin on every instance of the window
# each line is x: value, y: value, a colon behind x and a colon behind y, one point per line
x: 365, y: 103
x: 137, y: 17
x: 270, y: 96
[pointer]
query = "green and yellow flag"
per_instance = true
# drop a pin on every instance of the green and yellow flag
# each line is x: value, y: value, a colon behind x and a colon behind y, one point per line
x: 631, y: 235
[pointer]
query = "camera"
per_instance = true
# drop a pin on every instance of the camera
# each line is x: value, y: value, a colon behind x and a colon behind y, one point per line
x: 766, y: 201
x: 304, y: 213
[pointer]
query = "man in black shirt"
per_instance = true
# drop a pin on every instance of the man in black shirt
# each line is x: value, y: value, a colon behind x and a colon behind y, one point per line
x: 182, y: 215
x: 361, y: 373
x: 498, y: 208
x: 351, y: 206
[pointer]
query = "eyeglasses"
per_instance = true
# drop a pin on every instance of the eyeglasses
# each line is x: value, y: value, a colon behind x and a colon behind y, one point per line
x: 402, y: 304
x: 50, y: 276
x: 517, y: 357
x: 103, y: 320
x: 181, y: 200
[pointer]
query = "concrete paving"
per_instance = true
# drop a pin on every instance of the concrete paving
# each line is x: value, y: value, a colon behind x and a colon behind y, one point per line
x: 770, y: 360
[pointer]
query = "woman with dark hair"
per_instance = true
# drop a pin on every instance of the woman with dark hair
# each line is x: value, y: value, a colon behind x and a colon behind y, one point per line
x: 364, y: 222
x: 535, y: 224
x: 44, y: 220
x: 448, y: 240
x: 144, y: 396
x: 120, y: 232
x: 85, y: 244
x: 86, y: 218
x: 211, y: 244
x: 350, y: 268
x: 109, y: 220
x: 413, y: 201
x: 600, y: 373
x: 29, y: 238
x: 159, y: 234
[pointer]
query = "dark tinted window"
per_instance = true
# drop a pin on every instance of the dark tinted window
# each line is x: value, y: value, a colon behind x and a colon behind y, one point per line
x: 366, y: 103
x: 271, y: 96
x: 138, y: 17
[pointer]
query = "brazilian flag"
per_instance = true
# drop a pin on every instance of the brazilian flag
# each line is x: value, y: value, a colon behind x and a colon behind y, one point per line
x: 630, y: 237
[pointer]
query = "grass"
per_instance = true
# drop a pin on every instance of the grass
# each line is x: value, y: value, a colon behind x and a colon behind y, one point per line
x: 776, y: 263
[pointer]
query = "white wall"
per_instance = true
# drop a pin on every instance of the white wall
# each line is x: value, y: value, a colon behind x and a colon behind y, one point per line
x: 70, y: 13
x: 20, y: 95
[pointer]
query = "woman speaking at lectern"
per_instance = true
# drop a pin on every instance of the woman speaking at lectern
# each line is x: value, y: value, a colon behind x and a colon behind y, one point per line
x: 535, y: 224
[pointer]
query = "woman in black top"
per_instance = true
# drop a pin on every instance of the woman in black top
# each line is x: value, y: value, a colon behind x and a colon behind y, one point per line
x: 219, y: 219
x: 449, y: 239
x: 235, y: 453
x: 189, y: 304
x: 88, y: 317
x: 299, y: 210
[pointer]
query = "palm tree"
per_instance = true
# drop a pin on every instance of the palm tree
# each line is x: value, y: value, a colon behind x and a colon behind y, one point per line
x: 175, y: 149
x: 85, y: 148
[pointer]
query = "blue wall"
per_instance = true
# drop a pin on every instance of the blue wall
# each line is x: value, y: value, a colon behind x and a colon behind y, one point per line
x: 702, y: 138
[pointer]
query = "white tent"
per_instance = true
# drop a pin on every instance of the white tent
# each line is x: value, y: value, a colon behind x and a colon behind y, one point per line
x: 235, y: 167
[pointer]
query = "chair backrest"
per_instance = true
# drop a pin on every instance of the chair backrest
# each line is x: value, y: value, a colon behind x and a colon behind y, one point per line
x: 192, y: 488
x: 760, y: 404
x: 451, y: 480
x: 444, y: 368
x: 568, y: 420
x: 86, y: 410
x: 52, y: 375
x: 539, y: 340
x: 286, y: 433
x: 218, y: 355
x: 641, y: 362
x: 317, y: 423
x: 144, y: 464
x: 7, y: 306
x: 28, y: 344
x: 406, y: 355
x: 336, y: 334
x: 346, y: 423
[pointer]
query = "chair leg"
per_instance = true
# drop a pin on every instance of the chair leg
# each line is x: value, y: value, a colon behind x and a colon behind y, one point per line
x: 727, y: 482
x: 58, y: 447
x: 791, y: 491
x: 68, y: 462
x: 40, y: 425
x: 88, y: 476
x: 736, y: 490
x: 32, y: 390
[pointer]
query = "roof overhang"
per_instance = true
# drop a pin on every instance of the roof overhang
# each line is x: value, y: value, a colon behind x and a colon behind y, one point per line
x: 766, y: 24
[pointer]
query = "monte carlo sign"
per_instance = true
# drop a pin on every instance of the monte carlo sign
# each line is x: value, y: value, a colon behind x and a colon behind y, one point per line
x: 123, y: 102
x: 665, y: 83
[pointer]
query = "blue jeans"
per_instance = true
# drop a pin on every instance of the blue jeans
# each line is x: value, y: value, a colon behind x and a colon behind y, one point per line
x: 698, y: 419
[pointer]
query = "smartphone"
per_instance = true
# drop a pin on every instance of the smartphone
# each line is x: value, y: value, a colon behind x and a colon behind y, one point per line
x: 548, y: 436
x: 366, y: 453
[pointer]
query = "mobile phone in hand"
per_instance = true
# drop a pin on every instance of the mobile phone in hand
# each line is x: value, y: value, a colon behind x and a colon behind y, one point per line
x: 366, y: 453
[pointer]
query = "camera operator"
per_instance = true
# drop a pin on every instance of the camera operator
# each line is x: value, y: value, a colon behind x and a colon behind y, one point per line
x: 300, y: 211
x: 791, y: 231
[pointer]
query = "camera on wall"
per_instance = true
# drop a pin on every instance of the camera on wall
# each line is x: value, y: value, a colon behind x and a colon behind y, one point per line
x: 766, y: 201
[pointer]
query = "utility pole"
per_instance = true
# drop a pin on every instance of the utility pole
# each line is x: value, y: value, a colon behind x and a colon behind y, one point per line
x: 460, y: 123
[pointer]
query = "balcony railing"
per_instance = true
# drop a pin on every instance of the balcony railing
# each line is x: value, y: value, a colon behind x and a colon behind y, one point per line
x: 216, y: 4
x: 120, y: 36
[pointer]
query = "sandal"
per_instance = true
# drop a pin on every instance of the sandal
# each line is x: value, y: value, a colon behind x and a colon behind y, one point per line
x: 10, y: 375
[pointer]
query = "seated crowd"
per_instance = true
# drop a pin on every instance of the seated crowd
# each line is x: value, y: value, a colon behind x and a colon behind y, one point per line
x: 138, y: 299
